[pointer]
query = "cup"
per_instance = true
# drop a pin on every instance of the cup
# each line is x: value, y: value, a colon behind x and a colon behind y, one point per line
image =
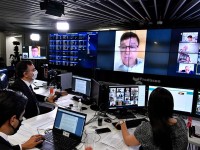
x: 89, y: 141
x: 51, y: 90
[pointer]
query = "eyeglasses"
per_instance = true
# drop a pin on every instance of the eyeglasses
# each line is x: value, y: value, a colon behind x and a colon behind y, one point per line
x: 131, y: 48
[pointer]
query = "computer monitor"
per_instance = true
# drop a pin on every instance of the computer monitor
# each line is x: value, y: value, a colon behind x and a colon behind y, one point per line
x: 81, y: 85
x: 34, y: 52
x: 126, y: 97
x: 99, y: 94
x: 183, y: 98
x: 197, y: 109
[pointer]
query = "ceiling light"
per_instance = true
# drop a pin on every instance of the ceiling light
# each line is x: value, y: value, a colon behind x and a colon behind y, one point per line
x: 35, y: 37
x: 62, y: 26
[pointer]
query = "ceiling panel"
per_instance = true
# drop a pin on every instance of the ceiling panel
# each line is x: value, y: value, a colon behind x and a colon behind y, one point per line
x: 84, y: 15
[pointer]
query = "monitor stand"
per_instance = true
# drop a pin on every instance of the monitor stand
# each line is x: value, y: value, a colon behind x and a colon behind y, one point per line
x: 94, y: 107
x: 124, y: 114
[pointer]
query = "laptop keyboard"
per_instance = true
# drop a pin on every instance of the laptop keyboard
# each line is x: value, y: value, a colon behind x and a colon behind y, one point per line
x: 61, y: 141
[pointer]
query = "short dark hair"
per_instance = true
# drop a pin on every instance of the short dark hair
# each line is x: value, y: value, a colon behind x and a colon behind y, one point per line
x: 21, y: 67
x: 11, y: 103
x: 127, y: 35
x: 34, y: 47
x: 189, y: 36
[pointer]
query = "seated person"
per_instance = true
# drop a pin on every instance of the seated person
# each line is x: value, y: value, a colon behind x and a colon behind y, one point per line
x: 163, y: 132
x: 12, y: 108
x: 26, y: 74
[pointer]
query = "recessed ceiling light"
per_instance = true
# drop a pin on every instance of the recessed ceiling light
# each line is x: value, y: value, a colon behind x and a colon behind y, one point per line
x: 64, y: 26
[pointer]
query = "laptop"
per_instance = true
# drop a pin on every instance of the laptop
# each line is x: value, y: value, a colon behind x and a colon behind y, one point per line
x: 67, y: 131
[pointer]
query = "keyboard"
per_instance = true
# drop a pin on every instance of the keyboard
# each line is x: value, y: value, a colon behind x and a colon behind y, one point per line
x: 126, y: 116
x: 131, y: 123
x: 83, y: 100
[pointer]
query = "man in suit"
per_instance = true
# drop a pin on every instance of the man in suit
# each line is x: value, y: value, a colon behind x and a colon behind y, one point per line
x: 26, y: 74
x: 12, y: 108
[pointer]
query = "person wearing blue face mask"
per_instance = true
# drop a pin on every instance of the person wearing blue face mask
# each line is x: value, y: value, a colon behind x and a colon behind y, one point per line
x: 12, y: 108
x: 26, y: 74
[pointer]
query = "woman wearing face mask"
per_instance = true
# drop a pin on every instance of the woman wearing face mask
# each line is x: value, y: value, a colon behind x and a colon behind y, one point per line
x: 12, y: 107
x: 26, y: 74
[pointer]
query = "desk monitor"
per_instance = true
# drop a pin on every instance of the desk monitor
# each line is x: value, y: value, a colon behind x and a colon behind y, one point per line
x: 81, y: 85
x: 183, y: 98
x: 99, y: 94
x: 65, y: 80
x: 126, y: 97
x: 197, y: 111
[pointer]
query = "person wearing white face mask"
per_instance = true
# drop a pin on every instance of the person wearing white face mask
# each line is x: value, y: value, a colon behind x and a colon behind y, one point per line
x: 26, y: 74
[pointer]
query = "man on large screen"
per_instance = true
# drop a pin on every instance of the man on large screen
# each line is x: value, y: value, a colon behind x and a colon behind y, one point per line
x: 129, y: 51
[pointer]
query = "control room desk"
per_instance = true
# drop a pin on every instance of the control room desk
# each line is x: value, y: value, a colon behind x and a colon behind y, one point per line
x: 42, y: 122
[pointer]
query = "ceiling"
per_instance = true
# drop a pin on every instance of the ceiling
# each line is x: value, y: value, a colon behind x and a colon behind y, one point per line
x: 85, y: 15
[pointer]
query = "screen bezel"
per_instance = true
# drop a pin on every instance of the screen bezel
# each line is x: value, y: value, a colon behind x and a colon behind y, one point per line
x: 88, y: 87
x: 111, y: 108
x: 176, y: 111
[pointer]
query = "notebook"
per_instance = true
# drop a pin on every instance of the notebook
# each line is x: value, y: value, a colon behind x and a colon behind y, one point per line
x: 67, y: 130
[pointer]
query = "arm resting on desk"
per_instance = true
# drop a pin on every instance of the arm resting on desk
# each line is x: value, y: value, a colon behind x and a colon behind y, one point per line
x: 129, y: 139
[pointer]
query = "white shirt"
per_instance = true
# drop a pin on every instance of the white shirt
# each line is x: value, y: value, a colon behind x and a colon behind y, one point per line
x: 5, y: 137
x: 138, y: 68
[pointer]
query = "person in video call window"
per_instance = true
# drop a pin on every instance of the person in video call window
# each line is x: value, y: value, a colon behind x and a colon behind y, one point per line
x: 163, y: 131
x: 35, y: 51
x: 187, y: 70
x: 189, y: 38
x: 129, y: 43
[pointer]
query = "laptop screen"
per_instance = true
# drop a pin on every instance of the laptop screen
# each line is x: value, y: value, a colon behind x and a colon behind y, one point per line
x: 70, y: 121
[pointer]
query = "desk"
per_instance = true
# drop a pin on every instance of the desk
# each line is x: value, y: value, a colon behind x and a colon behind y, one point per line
x: 42, y: 122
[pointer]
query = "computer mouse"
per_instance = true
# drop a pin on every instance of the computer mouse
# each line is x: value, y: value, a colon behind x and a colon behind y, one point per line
x: 108, y: 120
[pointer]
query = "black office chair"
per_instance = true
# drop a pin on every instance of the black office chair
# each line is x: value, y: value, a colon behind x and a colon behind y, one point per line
x: 3, y: 81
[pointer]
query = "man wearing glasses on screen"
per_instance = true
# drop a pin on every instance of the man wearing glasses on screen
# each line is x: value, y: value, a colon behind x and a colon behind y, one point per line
x: 129, y: 44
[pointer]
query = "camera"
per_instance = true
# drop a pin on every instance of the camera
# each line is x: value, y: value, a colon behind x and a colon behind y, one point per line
x: 16, y: 43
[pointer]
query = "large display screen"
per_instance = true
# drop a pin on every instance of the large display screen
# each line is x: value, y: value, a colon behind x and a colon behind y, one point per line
x: 130, y: 51
x: 73, y: 49
x: 169, y: 52
x: 183, y: 98
x: 34, y: 52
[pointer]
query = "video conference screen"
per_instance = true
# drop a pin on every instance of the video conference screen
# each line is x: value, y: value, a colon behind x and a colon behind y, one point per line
x: 34, y: 52
x: 183, y: 98
x: 126, y: 96
x: 173, y: 52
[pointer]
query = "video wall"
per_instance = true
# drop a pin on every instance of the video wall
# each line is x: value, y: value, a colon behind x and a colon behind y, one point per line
x: 173, y: 52
x: 73, y: 49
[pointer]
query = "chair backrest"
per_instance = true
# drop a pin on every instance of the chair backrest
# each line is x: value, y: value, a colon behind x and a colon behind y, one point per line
x: 3, y: 81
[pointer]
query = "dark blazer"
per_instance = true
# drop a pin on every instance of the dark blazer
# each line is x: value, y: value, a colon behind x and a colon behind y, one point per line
x: 32, y: 104
x: 5, y: 145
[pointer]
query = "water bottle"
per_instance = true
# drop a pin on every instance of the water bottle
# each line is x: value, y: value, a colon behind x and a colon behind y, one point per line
x: 79, y: 105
